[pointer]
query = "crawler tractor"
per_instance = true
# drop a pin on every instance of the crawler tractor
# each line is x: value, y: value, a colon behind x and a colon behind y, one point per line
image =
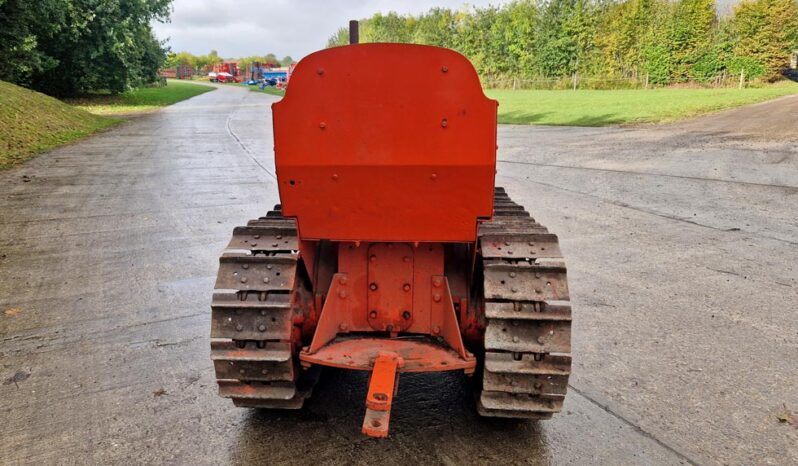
x: 391, y: 250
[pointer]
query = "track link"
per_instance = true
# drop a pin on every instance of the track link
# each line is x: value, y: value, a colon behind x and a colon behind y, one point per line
x: 253, y: 339
x: 527, y: 313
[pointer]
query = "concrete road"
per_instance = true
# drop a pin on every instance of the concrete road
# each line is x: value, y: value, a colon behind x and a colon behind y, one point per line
x: 681, y: 241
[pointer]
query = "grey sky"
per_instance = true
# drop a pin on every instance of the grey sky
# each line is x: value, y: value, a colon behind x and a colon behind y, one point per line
x: 238, y: 28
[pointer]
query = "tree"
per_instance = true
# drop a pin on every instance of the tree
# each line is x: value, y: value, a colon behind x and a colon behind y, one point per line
x: 287, y: 60
x: 690, y: 34
x: 66, y: 47
x: 766, y: 32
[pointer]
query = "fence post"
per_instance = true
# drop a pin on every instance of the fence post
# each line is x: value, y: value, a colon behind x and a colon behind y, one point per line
x: 514, y: 81
x: 742, y: 78
x: 574, y: 81
x: 646, y: 80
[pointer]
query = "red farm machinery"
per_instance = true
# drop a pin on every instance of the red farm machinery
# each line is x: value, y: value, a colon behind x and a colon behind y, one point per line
x: 391, y: 250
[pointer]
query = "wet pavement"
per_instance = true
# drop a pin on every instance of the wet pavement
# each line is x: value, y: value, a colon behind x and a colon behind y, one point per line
x: 681, y: 242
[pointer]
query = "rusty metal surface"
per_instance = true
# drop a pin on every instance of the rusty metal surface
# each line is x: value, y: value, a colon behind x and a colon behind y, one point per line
x: 421, y: 354
x: 253, y: 342
x: 528, y: 314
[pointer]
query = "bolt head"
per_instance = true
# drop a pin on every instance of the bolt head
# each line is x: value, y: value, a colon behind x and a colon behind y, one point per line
x: 406, y: 287
x: 239, y: 327
x: 245, y: 266
x: 436, y: 297
x: 444, y: 69
x: 406, y: 315
x: 541, y: 340
x: 437, y: 282
x: 342, y: 294
x: 243, y: 279
x: 515, y: 340
x: 262, y: 328
x: 342, y: 280
x: 335, y: 176
x: 436, y: 330
x: 343, y: 326
x: 512, y: 274
x: 266, y: 279
x: 322, y: 125
x: 373, y: 314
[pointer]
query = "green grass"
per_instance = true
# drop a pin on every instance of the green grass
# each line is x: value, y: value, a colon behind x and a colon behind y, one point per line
x: 31, y: 123
x: 145, y: 99
x: 599, y: 108
x: 267, y: 90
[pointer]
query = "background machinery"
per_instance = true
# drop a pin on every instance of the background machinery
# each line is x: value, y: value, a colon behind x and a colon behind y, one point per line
x: 391, y: 250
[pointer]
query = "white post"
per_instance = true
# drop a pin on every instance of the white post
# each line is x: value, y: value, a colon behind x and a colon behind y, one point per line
x: 742, y: 78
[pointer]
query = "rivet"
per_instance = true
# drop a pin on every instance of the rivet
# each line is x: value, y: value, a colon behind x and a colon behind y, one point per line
x: 514, y: 290
x: 342, y: 326
x: 541, y: 340
x: 245, y: 266
x: 256, y: 236
x: 334, y: 176
x: 531, y: 243
x: 373, y: 286
x: 373, y: 258
x: 538, y: 290
x: 274, y: 245
x: 506, y: 243
x: 243, y: 279
x: 263, y: 312
x: 515, y: 339
x: 538, y: 385
x: 266, y: 279
x: 342, y: 280
x: 434, y: 176
x: 406, y: 287
x: 342, y: 294
x: 512, y: 274
x: 436, y: 297
x: 262, y: 328
x: 406, y: 315
x: 239, y: 327
x: 373, y: 314
x: 444, y: 68
x: 264, y: 371
x: 437, y: 282
x: 320, y: 71
x: 279, y: 236
x: 242, y: 372
x: 444, y: 123
x: 254, y: 244
x: 269, y: 267
x: 322, y: 125
x: 436, y: 330
x: 406, y: 258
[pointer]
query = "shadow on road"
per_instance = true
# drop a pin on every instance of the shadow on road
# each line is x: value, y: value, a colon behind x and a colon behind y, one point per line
x: 433, y: 417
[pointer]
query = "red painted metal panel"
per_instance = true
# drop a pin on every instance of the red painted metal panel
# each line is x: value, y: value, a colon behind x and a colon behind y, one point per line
x: 386, y: 142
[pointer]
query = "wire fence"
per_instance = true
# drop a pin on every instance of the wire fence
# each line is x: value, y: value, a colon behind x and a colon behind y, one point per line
x: 575, y: 81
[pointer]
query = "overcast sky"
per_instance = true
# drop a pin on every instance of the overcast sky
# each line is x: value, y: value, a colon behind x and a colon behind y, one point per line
x: 238, y: 28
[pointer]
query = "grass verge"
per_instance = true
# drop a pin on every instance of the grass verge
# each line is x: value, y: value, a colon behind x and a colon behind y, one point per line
x: 266, y: 90
x: 31, y: 123
x: 599, y: 108
x: 140, y: 100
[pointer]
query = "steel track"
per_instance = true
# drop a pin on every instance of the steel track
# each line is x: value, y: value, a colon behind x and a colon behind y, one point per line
x: 527, y: 357
x: 252, y: 311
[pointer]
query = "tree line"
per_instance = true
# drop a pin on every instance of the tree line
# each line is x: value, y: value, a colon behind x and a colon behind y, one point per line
x: 667, y: 41
x: 68, y: 47
x: 198, y: 62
